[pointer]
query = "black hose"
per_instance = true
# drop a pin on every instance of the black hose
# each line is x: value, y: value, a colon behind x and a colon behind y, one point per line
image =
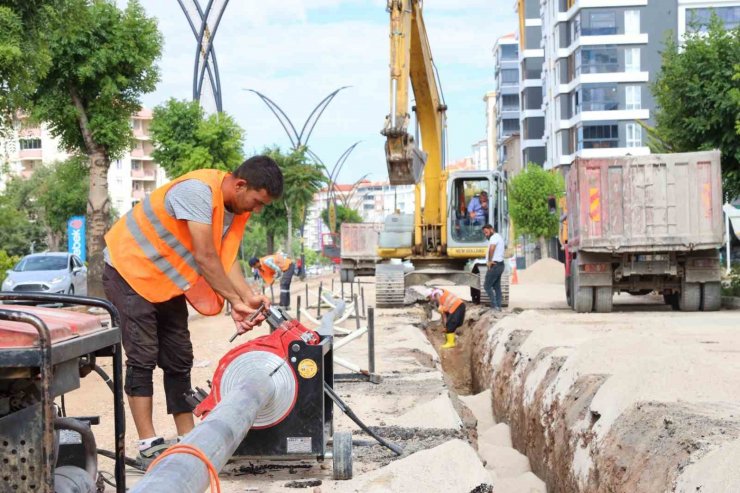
x: 104, y: 376
x: 88, y: 442
x: 396, y: 449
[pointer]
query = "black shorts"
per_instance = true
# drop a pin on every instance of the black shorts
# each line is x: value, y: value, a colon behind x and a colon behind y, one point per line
x: 455, y: 319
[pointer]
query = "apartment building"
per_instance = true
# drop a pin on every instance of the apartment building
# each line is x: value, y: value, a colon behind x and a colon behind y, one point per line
x: 25, y: 148
x: 531, y: 59
x: 373, y: 200
x: 130, y: 178
x: 135, y: 175
x: 507, y: 80
x: 600, y: 58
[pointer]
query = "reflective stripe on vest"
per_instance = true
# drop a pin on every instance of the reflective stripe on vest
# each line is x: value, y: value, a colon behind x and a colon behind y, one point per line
x: 168, y: 237
x: 150, y: 251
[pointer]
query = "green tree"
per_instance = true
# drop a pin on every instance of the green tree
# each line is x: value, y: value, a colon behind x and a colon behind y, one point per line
x: 344, y: 215
x: 24, y: 56
x: 691, y: 91
x: 302, y: 179
x: 17, y: 231
x: 7, y: 262
x: 48, y: 198
x: 102, y: 59
x: 185, y: 139
x: 529, y: 193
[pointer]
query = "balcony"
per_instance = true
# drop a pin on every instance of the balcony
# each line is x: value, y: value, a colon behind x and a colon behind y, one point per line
x: 147, y: 174
x: 25, y: 154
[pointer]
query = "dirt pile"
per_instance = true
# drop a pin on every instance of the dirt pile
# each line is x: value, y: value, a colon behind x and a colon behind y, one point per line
x: 545, y: 271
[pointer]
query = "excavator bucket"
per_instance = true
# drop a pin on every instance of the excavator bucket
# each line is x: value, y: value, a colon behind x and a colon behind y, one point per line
x: 405, y: 160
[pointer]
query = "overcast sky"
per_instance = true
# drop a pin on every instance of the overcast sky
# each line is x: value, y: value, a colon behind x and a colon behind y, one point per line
x: 298, y: 51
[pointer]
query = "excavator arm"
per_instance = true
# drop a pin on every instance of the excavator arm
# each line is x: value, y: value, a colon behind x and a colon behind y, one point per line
x: 411, y: 60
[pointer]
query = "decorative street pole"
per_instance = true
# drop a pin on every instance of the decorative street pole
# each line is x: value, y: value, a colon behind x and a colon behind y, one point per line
x: 204, y: 25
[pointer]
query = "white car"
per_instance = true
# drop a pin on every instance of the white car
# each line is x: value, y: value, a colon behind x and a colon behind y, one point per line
x: 50, y: 272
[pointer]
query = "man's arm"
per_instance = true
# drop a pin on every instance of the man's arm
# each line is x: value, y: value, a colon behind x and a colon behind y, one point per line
x: 489, y: 256
x: 209, y: 262
x: 237, y: 279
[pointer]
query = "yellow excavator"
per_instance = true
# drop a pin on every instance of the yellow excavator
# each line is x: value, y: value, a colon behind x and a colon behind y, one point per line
x: 443, y: 238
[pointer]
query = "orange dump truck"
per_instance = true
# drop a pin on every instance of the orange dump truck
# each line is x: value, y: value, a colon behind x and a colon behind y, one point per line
x: 639, y: 224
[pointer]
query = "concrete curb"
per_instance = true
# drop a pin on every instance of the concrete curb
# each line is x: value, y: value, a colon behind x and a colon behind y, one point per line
x: 731, y: 302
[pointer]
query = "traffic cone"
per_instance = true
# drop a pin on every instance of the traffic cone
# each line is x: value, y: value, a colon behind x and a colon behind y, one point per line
x: 514, y: 277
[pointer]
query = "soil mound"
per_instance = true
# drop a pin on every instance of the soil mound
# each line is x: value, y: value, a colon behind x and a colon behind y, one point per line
x: 545, y: 271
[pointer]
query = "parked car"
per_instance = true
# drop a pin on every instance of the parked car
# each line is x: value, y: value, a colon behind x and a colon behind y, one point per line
x: 50, y: 272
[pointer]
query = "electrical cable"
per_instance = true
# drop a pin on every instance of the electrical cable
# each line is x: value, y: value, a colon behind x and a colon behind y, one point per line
x: 396, y: 449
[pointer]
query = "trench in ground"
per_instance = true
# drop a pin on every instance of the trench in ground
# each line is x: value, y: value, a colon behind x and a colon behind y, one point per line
x: 457, y: 363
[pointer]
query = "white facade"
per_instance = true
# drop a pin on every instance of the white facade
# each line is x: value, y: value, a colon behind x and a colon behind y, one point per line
x: 130, y: 178
x: 480, y: 154
x: 373, y: 200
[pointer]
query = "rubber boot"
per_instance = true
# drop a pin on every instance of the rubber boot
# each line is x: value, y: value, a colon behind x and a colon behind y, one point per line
x: 450, y: 341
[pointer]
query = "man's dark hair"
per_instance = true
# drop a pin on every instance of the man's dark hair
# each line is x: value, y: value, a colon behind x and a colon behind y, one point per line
x: 489, y: 226
x: 261, y: 172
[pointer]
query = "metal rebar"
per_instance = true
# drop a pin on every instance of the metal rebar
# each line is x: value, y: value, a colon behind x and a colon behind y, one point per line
x: 362, y: 297
x: 371, y: 339
x: 217, y: 437
x: 318, y: 302
x: 298, y: 309
x: 351, y: 290
x: 308, y: 305
x: 332, y: 285
x: 357, y: 313
x: 342, y: 289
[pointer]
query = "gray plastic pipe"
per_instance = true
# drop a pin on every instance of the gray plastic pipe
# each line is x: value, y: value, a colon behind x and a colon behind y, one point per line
x: 217, y: 437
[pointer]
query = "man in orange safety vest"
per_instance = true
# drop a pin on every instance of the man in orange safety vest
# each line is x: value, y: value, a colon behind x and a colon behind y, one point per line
x: 180, y: 244
x: 452, y: 309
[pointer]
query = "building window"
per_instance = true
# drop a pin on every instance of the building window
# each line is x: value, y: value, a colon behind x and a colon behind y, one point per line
x: 598, y: 137
x: 135, y: 165
x: 509, y: 102
x: 30, y: 144
x: 599, y: 23
x: 509, y: 76
x: 634, y: 135
x: 509, y: 125
x: 600, y: 97
x: 631, y: 22
x: 633, y: 97
x: 510, y: 52
x: 632, y: 59
x: 597, y: 60
x: 699, y: 19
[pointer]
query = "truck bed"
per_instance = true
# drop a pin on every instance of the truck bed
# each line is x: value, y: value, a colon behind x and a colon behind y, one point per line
x: 660, y: 202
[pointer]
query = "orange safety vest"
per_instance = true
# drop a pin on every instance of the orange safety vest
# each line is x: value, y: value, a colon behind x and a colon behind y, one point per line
x: 448, y: 302
x: 153, y: 251
x: 267, y: 274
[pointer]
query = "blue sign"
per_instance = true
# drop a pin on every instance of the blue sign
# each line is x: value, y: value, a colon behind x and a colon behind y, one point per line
x: 76, y: 236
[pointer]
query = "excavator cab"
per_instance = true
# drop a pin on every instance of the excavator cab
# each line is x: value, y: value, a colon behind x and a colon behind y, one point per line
x: 475, y: 199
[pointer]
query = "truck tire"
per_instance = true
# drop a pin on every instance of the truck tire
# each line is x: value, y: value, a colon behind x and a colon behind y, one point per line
x: 569, y: 290
x: 671, y: 300
x: 711, y: 296
x: 603, y: 299
x: 583, y: 296
x: 690, y: 298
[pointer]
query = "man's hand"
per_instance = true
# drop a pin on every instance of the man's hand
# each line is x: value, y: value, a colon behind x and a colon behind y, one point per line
x: 489, y: 265
x: 242, y: 313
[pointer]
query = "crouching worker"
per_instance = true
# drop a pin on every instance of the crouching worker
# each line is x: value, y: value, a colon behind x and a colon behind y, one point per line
x: 277, y: 266
x: 452, y: 309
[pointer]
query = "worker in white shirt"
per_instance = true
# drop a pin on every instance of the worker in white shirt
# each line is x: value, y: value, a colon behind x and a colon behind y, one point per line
x: 495, y: 263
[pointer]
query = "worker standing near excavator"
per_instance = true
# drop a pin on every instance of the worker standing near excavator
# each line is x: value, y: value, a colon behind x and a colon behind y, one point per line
x: 276, y: 266
x: 180, y: 243
x: 452, y: 309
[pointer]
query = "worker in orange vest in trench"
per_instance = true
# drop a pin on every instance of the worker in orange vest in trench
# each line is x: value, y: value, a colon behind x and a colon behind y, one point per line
x: 277, y: 266
x: 180, y: 244
x: 452, y: 309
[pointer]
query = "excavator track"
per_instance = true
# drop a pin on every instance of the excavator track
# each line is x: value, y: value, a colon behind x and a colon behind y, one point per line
x: 389, y: 285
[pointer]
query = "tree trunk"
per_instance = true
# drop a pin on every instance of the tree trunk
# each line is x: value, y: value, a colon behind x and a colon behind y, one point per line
x: 289, y: 234
x: 98, y: 205
x: 544, y: 253
x: 98, y: 211
x: 270, y: 242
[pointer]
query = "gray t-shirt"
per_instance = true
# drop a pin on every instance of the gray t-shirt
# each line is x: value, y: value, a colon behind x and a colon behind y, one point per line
x: 190, y: 200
